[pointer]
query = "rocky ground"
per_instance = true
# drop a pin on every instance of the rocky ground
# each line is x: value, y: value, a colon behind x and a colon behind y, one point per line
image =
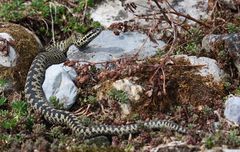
x: 154, y: 60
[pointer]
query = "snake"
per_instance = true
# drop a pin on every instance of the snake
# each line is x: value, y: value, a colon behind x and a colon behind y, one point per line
x: 34, y: 94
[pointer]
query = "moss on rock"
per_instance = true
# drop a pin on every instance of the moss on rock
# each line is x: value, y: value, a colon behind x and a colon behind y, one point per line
x: 27, y: 47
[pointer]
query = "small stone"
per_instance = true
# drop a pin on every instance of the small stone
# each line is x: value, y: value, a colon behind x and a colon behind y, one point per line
x: 133, y: 90
x: 232, y: 109
x: 59, y: 82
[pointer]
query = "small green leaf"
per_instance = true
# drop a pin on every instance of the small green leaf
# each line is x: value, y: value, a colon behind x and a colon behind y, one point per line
x: 55, y: 102
x: 2, y: 81
x: 20, y: 107
x: 118, y: 95
x: 2, y: 100
x: 9, y: 124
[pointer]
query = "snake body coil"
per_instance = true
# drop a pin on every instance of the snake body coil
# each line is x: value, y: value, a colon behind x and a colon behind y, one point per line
x: 35, y: 95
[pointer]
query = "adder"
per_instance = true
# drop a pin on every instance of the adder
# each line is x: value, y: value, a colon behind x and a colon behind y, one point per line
x: 56, y: 53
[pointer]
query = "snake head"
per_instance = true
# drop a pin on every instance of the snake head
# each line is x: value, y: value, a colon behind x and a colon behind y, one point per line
x: 82, y: 41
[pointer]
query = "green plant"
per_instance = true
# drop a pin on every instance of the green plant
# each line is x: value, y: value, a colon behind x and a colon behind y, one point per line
x: 8, y: 138
x: 2, y: 100
x: 207, y: 110
x: 91, y: 99
x: 190, y: 125
x: 191, y: 47
x: 9, y: 123
x: 55, y: 102
x: 237, y: 91
x: 233, y: 138
x: 56, y: 132
x: 2, y: 82
x: 209, y: 142
x: 129, y: 147
x: 20, y: 108
x: 16, y: 113
x: 135, y: 116
x: 219, y: 138
x: 160, y: 52
x: 196, y: 34
x: 3, y: 113
x: 12, y: 11
x: 118, y: 95
x: 44, y: 12
x: 232, y: 28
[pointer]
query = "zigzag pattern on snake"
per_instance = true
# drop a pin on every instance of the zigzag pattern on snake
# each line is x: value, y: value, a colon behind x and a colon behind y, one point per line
x: 34, y: 94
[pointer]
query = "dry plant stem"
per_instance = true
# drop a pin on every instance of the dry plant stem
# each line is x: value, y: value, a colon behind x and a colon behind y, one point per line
x: 70, y: 3
x: 85, y: 9
x: 151, y: 79
x: 82, y: 111
x: 103, y: 109
x: 140, y: 49
x: 170, y: 52
x: 186, y: 16
x: 170, y: 6
x: 164, y: 82
x: 190, y: 18
x: 106, y: 62
x: 196, y: 66
x: 45, y: 22
x: 52, y: 22
x: 162, y: 12
x: 149, y: 33
x: 214, y: 7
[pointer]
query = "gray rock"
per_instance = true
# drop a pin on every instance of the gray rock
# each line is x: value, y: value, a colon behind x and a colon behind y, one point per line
x: 109, y: 12
x: 210, y: 66
x: 59, y: 82
x: 231, y: 43
x: 107, y: 46
x: 232, y: 109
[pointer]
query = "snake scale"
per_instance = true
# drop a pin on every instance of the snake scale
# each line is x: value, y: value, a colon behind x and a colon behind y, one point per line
x: 54, y: 54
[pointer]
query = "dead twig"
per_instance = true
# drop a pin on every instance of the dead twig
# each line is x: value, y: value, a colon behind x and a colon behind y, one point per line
x: 162, y: 12
x: 164, y: 81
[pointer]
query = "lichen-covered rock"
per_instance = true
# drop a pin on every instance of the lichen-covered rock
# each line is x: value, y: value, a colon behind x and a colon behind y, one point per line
x: 18, y: 48
x: 133, y: 91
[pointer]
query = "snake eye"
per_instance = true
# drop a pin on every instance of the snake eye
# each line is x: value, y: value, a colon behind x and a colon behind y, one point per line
x: 98, y: 29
